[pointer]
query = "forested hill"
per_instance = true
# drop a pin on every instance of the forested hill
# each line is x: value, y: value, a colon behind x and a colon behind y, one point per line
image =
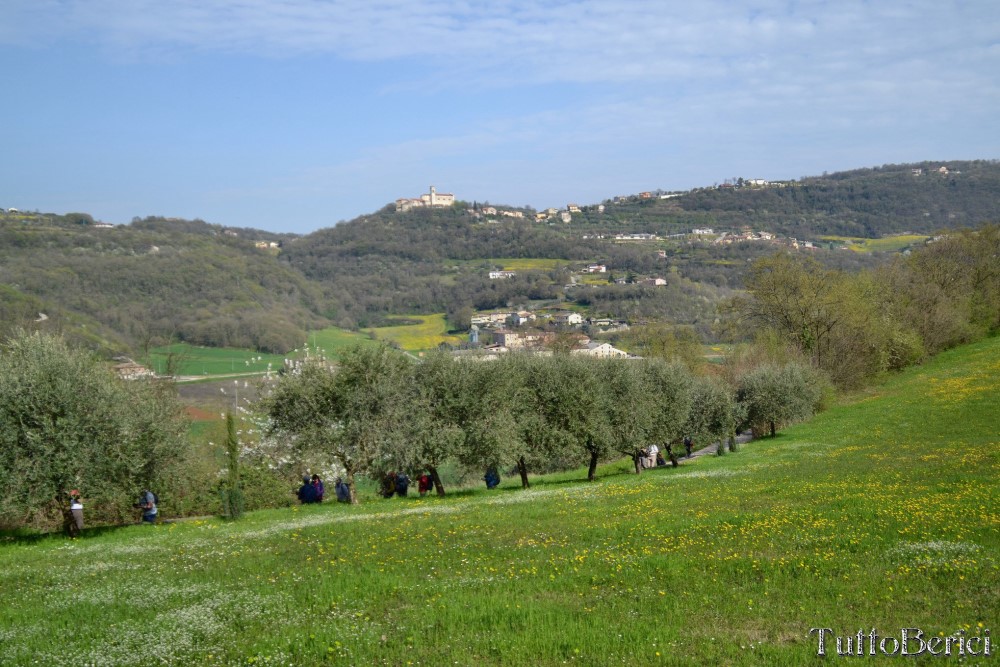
x: 891, y: 199
x: 432, y: 260
x: 419, y: 261
x: 156, y: 280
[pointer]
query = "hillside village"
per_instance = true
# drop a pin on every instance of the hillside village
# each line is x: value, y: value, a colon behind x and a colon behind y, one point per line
x: 495, y: 333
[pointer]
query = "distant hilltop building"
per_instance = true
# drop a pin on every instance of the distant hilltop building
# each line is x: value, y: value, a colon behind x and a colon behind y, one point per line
x: 433, y: 199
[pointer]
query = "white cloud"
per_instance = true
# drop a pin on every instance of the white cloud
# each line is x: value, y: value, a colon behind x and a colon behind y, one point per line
x: 516, y: 41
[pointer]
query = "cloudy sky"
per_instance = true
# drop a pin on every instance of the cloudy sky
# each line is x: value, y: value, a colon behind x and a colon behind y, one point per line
x: 291, y: 115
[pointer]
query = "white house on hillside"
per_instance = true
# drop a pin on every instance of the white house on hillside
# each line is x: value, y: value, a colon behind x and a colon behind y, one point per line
x: 571, y: 319
x: 603, y: 350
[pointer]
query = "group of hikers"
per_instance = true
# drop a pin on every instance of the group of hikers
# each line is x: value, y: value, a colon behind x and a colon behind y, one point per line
x: 73, y: 520
x: 652, y: 457
x: 398, y: 484
x: 312, y: 490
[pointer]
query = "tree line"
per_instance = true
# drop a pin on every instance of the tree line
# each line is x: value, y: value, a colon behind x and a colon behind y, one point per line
x: 376, y: 411
x: 857, y: 326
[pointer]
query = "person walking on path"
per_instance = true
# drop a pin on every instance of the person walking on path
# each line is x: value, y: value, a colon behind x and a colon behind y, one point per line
x: 688, y: 445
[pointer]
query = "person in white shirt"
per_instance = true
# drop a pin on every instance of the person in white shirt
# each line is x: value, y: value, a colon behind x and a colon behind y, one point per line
x: 76, y: 510
x: 651, y: 459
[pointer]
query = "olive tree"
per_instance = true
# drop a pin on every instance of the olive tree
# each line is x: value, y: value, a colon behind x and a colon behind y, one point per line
x: 68, y: 422
x: 774, y: 395
x: 493, y: 416
x: 630, y: 408
x: 576, y: 406
x: 354, y: 413
x: 714, y: 415
x: 670, y: 386
x: 435, y: 415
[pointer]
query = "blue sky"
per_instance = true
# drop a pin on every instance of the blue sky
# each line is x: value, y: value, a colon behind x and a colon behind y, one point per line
x: 290, y: 116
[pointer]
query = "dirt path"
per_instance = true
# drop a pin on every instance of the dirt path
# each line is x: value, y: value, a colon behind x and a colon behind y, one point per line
x: 711, y: 449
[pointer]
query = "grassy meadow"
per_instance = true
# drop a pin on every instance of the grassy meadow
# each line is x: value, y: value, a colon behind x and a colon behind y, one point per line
x: 879, y: 513
x: 195, y: 360
x: 516, y: 263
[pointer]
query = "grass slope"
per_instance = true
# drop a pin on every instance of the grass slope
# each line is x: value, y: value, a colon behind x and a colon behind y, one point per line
x: 879, y: 514
x: 196, y: 360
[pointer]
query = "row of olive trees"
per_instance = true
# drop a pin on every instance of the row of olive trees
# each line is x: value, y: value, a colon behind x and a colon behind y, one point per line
x: 378, y: 411
x: 68, y: 423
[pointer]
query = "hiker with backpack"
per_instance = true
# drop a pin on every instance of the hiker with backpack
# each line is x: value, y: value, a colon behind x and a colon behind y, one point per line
x: 147, y: 503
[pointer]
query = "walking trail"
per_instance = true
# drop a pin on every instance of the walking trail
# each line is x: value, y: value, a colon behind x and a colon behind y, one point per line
x: 711, y: 449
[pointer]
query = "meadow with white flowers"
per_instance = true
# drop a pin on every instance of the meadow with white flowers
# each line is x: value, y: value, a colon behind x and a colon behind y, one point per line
x: 881, y: 512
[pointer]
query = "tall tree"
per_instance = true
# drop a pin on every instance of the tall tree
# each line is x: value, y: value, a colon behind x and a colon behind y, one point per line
x: 714, y: 414
x: 491, y: 408
x: 670, y: 387
x: 436, y: 415
x: 578, y: 405
x: 630, y: 408
x: 796, y: 296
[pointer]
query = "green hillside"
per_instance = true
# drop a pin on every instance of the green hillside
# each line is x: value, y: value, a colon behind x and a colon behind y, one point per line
x: 157, y: 281
x: 869, y: 203
x: 881, y: 513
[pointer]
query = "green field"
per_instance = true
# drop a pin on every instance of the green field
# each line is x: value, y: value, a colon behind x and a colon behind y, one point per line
x: 531, y: 264
x: 884, y: 244
x: 194, y: 360
x: 332, y: 340
x: 879, y: 514
x: 431, y: 331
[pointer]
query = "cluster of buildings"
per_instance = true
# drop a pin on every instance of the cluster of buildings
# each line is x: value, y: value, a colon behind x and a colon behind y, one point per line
x: 432, y: 199
x: 534, y: 342
x: 943, y: 170
x: 495, y: 213
x: 744, y: 235
x: 127, y: 369
x: 500, y: 321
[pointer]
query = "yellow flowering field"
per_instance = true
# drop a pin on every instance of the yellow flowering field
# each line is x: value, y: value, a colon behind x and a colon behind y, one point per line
x: 431, y: 331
